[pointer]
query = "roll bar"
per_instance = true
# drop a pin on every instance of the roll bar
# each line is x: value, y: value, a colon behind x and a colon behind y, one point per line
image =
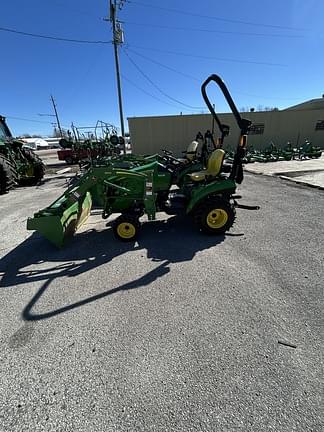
x: 243, y: 124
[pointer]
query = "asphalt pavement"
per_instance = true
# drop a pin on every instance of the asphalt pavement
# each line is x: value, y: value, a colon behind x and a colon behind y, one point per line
x: 177, y: 332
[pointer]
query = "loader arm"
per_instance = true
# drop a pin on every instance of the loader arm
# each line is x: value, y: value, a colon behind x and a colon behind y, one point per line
x: 111, y: 189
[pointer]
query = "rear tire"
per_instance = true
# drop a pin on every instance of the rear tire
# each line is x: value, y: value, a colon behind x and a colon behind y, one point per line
x: 126, y: 227
x: 8, y: 175
x: 214, y: 216
x: 39, y: 172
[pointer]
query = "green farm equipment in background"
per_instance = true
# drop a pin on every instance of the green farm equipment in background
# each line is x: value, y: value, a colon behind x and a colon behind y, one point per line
x: 18, y: 165
x: 273, y: 154
x: 88, y: 143
x: 307, y: 150
x: 206, y: 195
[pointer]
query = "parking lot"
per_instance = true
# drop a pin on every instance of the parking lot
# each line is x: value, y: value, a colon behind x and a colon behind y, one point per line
x: 177, y: 332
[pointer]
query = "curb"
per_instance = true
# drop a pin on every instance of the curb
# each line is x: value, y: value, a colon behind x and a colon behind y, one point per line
x: 301, y: 182
x: 283, y: 177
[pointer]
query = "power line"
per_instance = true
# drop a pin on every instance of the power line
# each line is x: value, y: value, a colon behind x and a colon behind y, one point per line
x: 190, y: 29
x: 53, y: 37
x: 182, y: 12
x: 162, y: 65
x: 146, y: 92
x: 210, y: 58
x: 29, y: 120
x: 158, y: 88
x: 199, y: 80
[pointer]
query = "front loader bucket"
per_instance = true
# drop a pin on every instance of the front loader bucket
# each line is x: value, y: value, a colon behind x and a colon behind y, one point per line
x: 60, y: 220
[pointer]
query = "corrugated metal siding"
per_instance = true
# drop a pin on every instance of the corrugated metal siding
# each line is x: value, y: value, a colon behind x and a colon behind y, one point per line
x: 151, y: 134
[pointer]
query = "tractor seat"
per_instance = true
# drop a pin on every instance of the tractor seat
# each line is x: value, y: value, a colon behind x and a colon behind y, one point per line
x: 191, y: 152
x: 214, y: 166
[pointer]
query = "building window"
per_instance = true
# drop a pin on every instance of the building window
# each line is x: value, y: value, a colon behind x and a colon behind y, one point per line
x: 319, y: 125
x: 256, y: 129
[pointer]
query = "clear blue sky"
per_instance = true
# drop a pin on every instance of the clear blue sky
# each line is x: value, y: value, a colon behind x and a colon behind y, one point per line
x: 269, y: 52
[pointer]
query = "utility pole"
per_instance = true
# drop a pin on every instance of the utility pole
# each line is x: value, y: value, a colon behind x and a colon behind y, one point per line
x: 57, y: 117
x: 117, y: 40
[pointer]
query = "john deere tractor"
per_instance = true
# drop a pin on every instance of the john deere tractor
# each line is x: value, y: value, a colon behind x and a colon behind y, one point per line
x: 206, y: 195
x: 18, y: 165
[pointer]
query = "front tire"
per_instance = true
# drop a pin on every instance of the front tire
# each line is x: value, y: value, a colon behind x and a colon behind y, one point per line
x: 214, y: 216
x: 126, y: 227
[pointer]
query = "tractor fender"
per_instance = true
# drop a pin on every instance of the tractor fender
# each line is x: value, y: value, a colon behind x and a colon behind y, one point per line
x: 217, y: 187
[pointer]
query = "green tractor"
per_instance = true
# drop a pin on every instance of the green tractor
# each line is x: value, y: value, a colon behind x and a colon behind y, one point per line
x: 308, y: 151
x: 206, y: 195
x: 18, y: 165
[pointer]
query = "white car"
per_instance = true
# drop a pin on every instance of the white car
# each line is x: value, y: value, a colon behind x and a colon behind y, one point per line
x: 35, y: 143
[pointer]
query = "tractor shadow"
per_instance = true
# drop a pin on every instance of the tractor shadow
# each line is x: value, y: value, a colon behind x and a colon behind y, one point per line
x: 168, y: 241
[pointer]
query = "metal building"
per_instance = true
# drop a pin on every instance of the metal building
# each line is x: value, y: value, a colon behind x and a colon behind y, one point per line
x: 294, y: 124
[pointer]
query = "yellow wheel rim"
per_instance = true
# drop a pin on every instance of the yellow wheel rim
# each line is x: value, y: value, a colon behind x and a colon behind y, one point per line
x: 217, y: 218
x: 126, y: 230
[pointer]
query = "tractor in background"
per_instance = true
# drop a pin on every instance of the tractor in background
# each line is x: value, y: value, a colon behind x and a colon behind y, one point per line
x: 18, y: 165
